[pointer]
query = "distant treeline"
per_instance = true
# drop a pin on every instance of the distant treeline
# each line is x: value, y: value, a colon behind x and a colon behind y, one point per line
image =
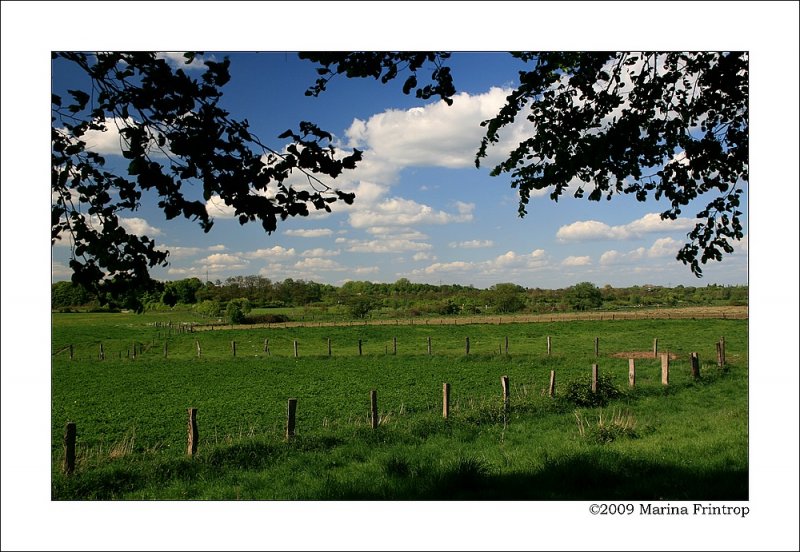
x: 401, y: 298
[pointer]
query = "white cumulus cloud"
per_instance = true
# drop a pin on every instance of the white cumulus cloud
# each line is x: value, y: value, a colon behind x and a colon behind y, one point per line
x: 224, y: 261
x: 320, y: 252
x: 587, y: 230
x: 664, y: 247
x: 661, y: 248
x: 139, y: 226
x: 406, y: 212
x: 444, y: 268
x: 436, y: 134
x: 316, y: 263
x: 386, y: 246
x: 216, y: 208
x: 577, y: 261
x: 275, y: 252
x: 507, y: 264
x: 310, y: 233
x: 472, y: 244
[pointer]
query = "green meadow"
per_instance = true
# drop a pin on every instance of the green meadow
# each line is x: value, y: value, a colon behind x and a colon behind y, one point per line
x: 687, y: 440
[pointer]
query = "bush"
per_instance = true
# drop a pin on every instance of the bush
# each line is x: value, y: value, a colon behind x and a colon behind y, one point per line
x: 579, y: 392
x: 236, y: 310
x: 360, y: 306
x: 266, y: 319
x: 447, y: 307
x: 104, y: 308
x: 208, y: 308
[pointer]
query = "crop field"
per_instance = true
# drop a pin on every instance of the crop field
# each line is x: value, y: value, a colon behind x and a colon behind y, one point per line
x: 686, y: 440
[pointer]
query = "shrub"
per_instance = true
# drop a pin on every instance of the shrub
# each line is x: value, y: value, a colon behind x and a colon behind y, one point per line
x: 266, y: 318
x: 208, y: 308
x: 236, y: 310
x: 105, y: 308
x: 579, y: 392
x: 447, y: 307
x: 360, y: 306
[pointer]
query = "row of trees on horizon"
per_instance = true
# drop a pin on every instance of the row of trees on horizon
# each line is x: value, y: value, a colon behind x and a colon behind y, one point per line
x: 402, y: 298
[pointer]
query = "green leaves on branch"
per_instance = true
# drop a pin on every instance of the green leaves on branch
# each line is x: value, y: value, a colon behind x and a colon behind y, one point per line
x: 384, y: 66
x: 674, y: 124
x: 173, y: 132
x: 658, y: 125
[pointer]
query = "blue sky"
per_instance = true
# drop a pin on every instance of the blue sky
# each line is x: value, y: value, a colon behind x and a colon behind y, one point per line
x: 422, y: 210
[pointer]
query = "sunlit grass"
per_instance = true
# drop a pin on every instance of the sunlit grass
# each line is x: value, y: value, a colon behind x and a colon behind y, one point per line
x: 687, y: 440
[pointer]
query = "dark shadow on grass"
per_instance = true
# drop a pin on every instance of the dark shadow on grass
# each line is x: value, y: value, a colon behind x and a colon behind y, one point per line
x: 107, y: 483
x: 579, y: 477
x: 603, y: 476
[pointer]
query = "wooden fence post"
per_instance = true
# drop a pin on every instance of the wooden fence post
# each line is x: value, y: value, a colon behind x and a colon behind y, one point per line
x: 165, y: 349
x: 552, y: 390
x: 233, y: 347
x: 506, y: 394
x: 429, y: 345
x: 506, y: 344
x: 596, y: 346
x: 394, y: 345
x: 722, y: 349
x: 549, y: 348
x: 665, y: 369
x: 295, y: 349
x: 466, y: 346
x: 102, y: 354
x: 69, y: 448
x: 291, y: 412
x: 655, y: 347
x: 266, y: 346
x: 595, y: 377
x: 359, y: 347
x: 695, y: 366
x: 194, y: 437
x: 719, y: 354
x: 70, y: 352
x: 445, y: 400
x: 197, y: 344
x: 373, y: 408
x: 631, y: 372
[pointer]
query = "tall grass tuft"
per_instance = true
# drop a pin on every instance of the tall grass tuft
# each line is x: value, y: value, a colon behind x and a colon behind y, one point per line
x: 608, y: 428
x: 124, y: 447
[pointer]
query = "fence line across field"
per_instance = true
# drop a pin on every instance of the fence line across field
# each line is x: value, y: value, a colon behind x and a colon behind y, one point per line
x: 139, y: 348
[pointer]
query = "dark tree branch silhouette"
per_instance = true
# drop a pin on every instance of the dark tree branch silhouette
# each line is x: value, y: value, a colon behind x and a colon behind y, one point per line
x: 172, y: 132
x: 652, y: 124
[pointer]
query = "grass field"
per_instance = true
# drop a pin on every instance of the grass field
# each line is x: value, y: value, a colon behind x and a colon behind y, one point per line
x: 684, y: 441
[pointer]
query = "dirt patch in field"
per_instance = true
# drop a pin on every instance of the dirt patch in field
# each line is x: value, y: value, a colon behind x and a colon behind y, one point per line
x: 641, y: 355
